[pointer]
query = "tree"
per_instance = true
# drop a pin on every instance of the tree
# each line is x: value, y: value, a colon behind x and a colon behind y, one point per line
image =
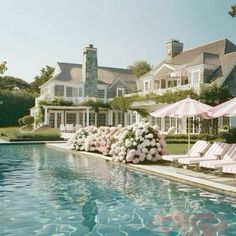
x: 12, y: 84
x: 140, y: 68
x: 46, y: 73
x: 14, y: 106
x: 232, y: 11
x: 3, y: 67
x: 214, y: 95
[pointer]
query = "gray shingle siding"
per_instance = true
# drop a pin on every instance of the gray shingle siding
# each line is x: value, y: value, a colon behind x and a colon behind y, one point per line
x: 231, y: 82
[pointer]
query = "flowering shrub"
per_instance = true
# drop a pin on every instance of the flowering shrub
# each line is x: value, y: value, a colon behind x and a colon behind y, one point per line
x: 79, y: 141
x: 135, y: 143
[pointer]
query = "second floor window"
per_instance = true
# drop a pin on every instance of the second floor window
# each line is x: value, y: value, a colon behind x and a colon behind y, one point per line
x: 80, y: 92
x: 69, y: 92
x: 59, y: 90
x: 101, y: 93
x: 196, y: 80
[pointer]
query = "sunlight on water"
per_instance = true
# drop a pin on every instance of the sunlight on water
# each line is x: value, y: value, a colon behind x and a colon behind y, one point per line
x: 48, y: 192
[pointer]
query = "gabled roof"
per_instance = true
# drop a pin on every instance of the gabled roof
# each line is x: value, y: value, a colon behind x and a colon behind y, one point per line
x: 220, y: 53
x: 72, y: 72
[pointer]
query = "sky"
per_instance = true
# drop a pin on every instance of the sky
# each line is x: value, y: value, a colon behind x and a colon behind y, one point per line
x: 36, y: 33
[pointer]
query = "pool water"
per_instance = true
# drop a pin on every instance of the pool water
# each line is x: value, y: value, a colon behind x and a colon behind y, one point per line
x: 44, y: 191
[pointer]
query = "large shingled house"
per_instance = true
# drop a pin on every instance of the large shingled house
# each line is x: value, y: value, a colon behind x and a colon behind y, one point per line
x: 214, y: 62
x: 82, y: 82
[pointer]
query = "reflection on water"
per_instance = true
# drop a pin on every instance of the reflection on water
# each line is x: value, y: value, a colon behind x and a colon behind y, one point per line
x: 45, y: 191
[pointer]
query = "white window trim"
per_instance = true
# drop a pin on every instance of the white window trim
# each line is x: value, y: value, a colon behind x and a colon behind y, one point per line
x: 149, y: 85
x: 120, y: 89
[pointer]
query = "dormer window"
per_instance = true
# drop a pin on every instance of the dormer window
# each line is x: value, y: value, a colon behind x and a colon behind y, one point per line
x: 120, y: 92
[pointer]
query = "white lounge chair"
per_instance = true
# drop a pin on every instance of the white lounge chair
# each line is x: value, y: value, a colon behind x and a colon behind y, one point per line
x: 228, y: 159
x: 216, y: 151
x: 229, y: 169
x: 197, y: 150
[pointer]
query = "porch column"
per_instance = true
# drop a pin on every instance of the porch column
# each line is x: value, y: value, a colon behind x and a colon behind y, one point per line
x: 136, y: 117
x: 96, y: 119
x: 125, y: 119
x: 87, y: 116
x: 162, y: 128
x: 116, y: 120
x: 83, y: 119
x: 110, y: 117
x: 45, y: 116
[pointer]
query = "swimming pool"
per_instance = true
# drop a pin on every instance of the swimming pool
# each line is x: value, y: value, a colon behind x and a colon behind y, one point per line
x: 44, y: 191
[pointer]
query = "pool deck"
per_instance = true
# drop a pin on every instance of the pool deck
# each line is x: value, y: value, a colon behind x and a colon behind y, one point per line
x: 223, y: 184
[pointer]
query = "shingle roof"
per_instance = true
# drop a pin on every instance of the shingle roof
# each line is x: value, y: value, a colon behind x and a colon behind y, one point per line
x: 219, y: 53
x: 106, y: 75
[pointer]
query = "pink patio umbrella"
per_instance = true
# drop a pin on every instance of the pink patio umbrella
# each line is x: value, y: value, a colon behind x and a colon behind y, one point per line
x: 225, y: 109
x: 185, y: 108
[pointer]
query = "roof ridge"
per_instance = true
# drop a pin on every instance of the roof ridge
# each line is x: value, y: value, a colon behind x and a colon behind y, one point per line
x: 79, y: 64
x: 114, y: 68
x: 204, y: 44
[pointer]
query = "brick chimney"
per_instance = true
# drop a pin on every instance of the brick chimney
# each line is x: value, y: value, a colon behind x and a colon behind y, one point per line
x: 173, y: 48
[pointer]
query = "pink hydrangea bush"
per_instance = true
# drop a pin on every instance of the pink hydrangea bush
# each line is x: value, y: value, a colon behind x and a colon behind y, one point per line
x: 138, y: 143
x: 104, y: 139
x: 79, y: 141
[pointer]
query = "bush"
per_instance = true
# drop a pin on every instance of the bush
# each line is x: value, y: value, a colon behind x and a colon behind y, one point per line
x: 28, y: 120
x: 195, y: 137
x: 15, y: 105
x: 230, y: 137
x: 20, y: 122
x: 223, y: 133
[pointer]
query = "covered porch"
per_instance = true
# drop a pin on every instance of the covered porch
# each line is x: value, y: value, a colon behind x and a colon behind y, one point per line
x: 70, y: 118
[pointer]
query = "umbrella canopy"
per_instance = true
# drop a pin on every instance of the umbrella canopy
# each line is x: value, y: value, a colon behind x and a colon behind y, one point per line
x: 225, y: 109
x: 185, y: 108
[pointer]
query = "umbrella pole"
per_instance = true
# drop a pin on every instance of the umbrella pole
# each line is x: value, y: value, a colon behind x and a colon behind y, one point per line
x: 188, y: 135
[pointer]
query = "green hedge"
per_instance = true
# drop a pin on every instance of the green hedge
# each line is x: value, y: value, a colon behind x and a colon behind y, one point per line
x: 14, y: 105
x: 193, y: 137
x: 230, y: 137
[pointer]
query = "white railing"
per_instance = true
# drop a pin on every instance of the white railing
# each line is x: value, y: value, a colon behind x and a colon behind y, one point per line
x: 160, y: 91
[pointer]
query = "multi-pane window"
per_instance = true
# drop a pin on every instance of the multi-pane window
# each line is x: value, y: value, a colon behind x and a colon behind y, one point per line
x: 100, y: 93
x: 80, y: 92
x: 91, y: 118
x: 75, y: 92
x: 167, y: 123
x: 70, y: 118
x: 52, y: 120
x: 195, y: 80
x: 59, y: 90
x: 69, y: 92
x: 101, y: 119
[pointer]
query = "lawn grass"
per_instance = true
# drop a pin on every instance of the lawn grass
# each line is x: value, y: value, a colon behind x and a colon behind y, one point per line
x: 177, y: 148
x: 15, y: 134
x: 8, y: 132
